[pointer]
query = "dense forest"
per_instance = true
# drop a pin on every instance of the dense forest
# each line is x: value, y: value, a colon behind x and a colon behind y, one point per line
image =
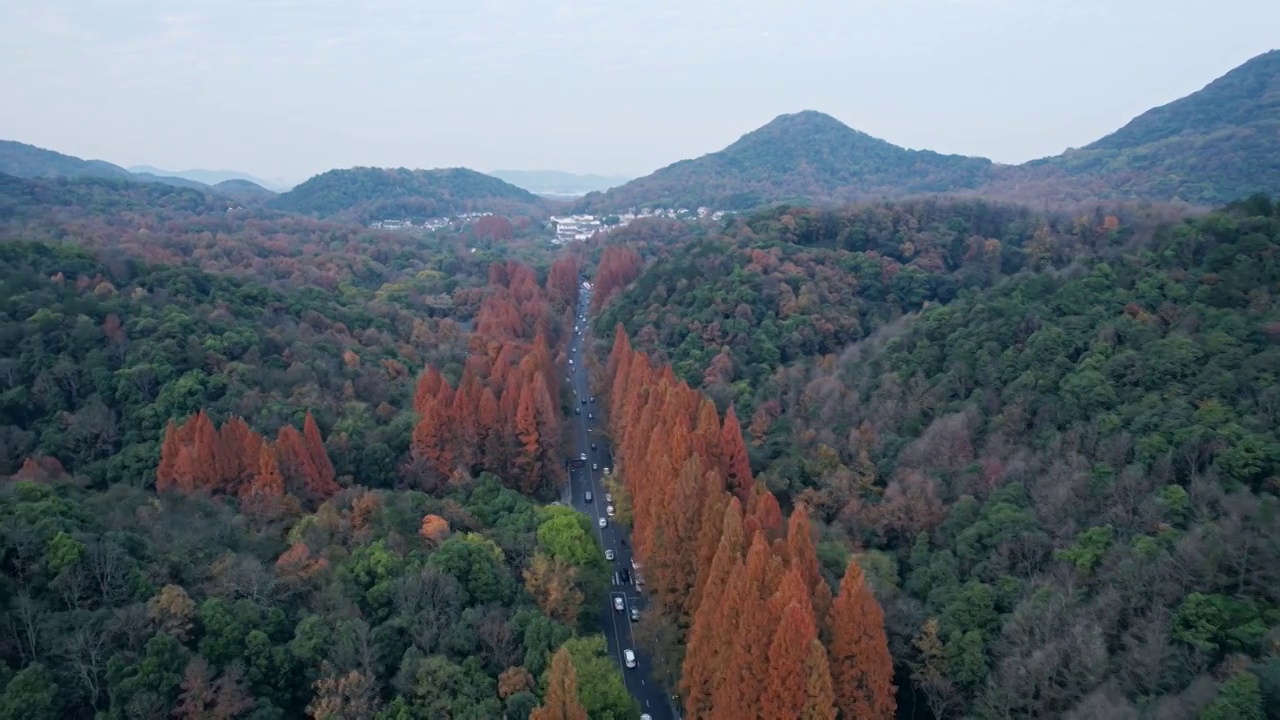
x: 930, y: 458
x: 1052, y: 449
x: 258, y: 466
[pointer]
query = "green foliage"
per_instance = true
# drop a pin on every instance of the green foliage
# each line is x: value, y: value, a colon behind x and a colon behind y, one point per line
x: 31, y: 694
x: 566, y: 534
x: 148, y: 684
x: 476, y: 563
x: 1088, y: 548
x: 600, y: 687
x: 427, y: 629
x: 1218, y: 624
x: 1238, y: 699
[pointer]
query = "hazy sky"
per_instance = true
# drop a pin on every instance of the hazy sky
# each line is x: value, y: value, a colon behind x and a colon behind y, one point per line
x: 288, y: 88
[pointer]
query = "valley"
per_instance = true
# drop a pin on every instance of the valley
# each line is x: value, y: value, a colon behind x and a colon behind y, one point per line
x: 813, y: 426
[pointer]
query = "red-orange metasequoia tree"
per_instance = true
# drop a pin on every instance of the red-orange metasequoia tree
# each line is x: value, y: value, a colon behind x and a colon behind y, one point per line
x: 740, y: 581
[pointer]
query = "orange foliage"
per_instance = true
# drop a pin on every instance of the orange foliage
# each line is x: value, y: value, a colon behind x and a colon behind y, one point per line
x: 197, y: 456
x: 297, y: 562
x: 734, y: 461
x: 861, y: 667
x: 723, y: 563
x: 619, y: 265
x: 434, y: 529
x: 502, y: 416
x: 561, y: 701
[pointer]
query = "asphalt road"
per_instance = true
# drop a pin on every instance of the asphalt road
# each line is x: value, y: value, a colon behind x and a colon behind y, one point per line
x: 587, y: 428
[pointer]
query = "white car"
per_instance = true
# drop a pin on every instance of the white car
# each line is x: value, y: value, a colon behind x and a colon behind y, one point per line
x: 609, y: 511
x: 617, y: 603
x: 604, y: 522
x: 608, y: 497
x: 609, y: 555
x: 630, y: 657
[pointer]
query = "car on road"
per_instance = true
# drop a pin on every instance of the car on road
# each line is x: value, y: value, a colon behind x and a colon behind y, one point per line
x: 591, y: 416
x: 577, y: 411
x: 593, y: 446
x: 587, y: 497
x: 608, y: 497
x: 582, y: 456
x: 584, y: 401
x: 570, y: 361
x: 604, y: 522
x: 609, y: 554
x: 609, y: 511
x: 618, y: 604
x: 593, y: 398
x: 626, y: 577
x: 635, y: 614
x: 595, y: 466
x: 630, y: 657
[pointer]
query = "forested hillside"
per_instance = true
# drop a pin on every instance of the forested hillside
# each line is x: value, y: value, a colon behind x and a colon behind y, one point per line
x: 789, y: 283
x: 1211, y: 147
x: 162, y: 224
x: 23, y: 160
x: 1060, y: 476
x: 264, y: 467
x: 365, y: 194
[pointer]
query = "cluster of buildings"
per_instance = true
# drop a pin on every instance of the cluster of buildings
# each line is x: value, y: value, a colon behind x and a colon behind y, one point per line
x: 581, y: 227
x: 565, y: 228
x: 429, y: 224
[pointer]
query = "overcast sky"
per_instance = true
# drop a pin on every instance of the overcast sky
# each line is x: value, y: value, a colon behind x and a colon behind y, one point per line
x: 284, y: 89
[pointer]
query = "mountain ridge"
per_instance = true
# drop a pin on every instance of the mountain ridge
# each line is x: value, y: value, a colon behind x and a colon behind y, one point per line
x: 365, y: 194
x: 212, y: 178
x: 1207, y: 148
x: 1210, y: 147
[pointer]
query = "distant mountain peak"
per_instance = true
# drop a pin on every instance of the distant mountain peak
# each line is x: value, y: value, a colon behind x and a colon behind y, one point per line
x: 805, y: 119
x: 803, y: 156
